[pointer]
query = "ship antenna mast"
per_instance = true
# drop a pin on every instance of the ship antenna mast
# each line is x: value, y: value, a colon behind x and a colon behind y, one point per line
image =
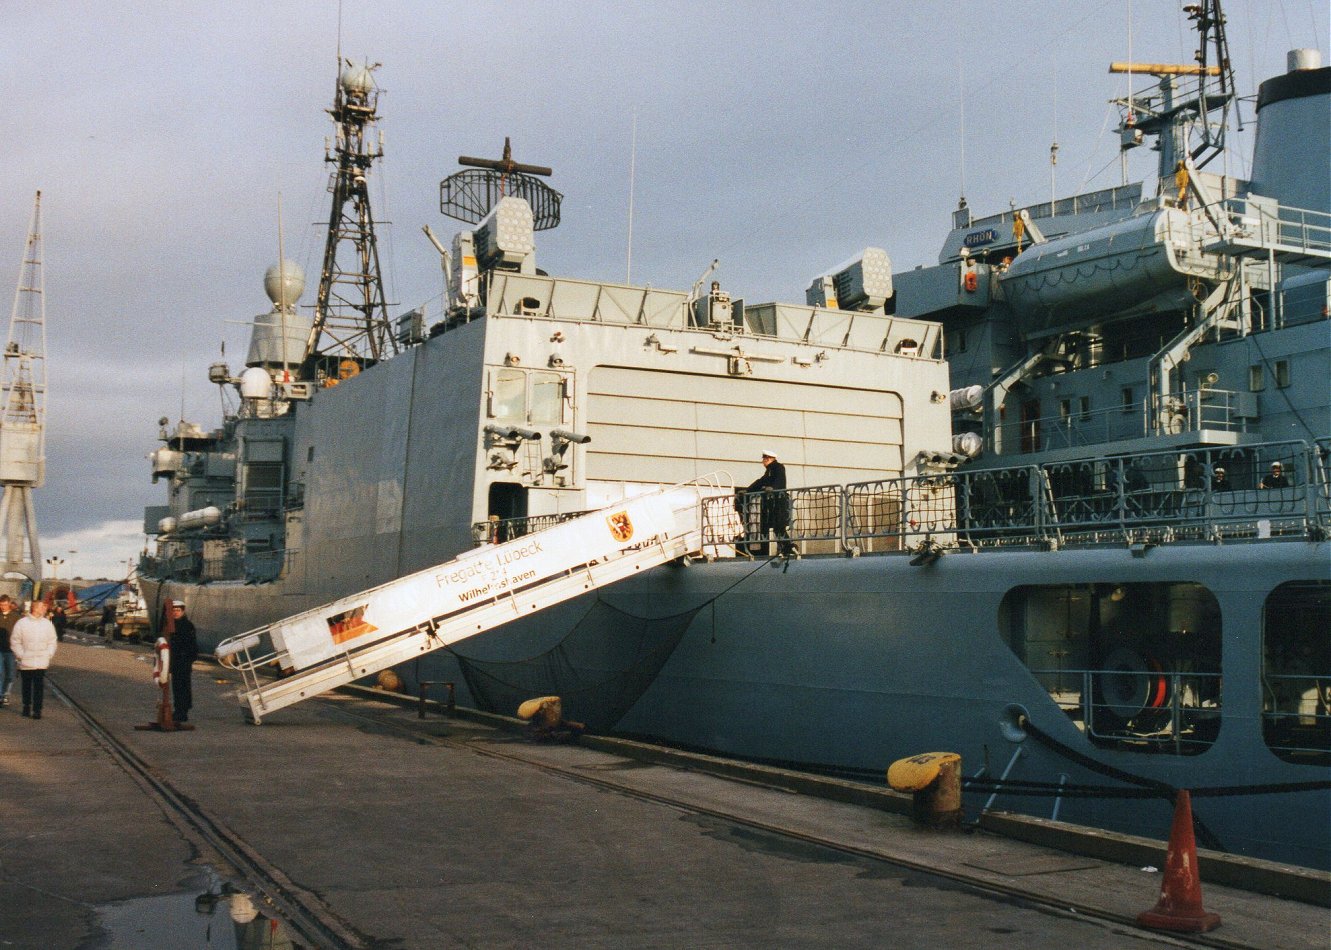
x: 351, y: 315
x: 23, y: 418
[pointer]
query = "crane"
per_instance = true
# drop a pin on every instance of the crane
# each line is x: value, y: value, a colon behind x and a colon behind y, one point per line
x: 23, y: 414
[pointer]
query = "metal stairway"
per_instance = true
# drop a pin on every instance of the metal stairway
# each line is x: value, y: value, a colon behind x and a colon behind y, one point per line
x: 360, y: 635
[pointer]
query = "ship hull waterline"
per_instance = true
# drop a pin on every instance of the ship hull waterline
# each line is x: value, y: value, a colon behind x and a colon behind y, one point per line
x: 848, y: 664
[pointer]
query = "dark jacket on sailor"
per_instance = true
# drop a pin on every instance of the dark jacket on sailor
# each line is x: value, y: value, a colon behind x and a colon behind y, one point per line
x: 184, y: 646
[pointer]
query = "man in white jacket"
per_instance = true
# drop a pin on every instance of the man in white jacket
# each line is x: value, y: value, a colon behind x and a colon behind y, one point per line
x: 33, y: 642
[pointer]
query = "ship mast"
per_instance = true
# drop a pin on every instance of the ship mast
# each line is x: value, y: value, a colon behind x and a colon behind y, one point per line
x: 1181, y: 118
x: 23, y: 416
x: 351, y: 317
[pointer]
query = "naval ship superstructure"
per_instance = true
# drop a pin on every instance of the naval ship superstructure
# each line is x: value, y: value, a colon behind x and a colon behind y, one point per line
x: 1064, y: 551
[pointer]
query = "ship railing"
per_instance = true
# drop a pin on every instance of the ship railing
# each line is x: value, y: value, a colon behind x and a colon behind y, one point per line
x: 884, y: 515
x: 1139, y: 707
x: 1194, y: 410
x: 1158, y: 497
x: 1267, y: 224
x: 803, y: 520
x: 1320, y: 464
x: 1296, y: 715
x: 264, y: 565
x: 1169, y: 488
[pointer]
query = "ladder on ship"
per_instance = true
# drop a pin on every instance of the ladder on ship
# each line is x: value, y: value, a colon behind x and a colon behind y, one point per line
x: 362, y: 634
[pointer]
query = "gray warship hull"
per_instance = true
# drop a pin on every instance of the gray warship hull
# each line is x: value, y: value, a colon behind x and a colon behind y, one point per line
x: 1058, y: 503
x: 845, y: 665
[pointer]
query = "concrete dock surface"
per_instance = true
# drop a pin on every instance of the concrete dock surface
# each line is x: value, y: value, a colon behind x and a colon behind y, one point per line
x: 348, y: 821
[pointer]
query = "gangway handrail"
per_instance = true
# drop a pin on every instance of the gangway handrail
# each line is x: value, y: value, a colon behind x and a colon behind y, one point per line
x: 363, y: 633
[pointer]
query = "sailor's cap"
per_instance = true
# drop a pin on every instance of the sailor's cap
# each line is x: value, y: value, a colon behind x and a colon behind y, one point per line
x: 178, y: 603
x: 1219, y: 470
x: 768, y: 454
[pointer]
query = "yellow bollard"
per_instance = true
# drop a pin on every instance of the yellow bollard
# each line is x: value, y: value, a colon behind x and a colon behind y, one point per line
x: 934, y: 779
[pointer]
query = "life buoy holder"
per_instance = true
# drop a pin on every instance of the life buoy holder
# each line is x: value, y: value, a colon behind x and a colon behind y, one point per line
x: 162, y: 663
x: 971, y: 281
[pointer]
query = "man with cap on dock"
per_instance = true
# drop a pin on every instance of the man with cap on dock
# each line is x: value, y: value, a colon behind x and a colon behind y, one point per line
x: 184, y: 645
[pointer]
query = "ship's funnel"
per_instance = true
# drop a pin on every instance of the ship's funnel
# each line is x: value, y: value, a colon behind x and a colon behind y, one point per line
x: 1294, y: 124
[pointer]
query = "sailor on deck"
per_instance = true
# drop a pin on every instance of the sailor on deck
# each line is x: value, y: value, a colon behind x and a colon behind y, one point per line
x: 773, y: 505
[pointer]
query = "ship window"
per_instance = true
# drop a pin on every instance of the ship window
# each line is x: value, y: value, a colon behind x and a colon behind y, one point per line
x: 309, y: 454
x: 1296, y: 672
x: 547, y: 398
x: 1256, y: 378
x: 509, y: 399
x: 1084, y: 407
x: 1281, y: 373
x: 1065, y: 409
x: 1129, y: 404
x: 1135, y: 666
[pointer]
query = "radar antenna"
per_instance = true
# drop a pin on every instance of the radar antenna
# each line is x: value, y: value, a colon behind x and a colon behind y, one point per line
x: 23, y: 417
x: 351, y: 316
x: 471, y: 194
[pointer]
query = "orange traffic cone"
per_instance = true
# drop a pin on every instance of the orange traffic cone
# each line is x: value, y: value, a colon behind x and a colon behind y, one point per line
x: 1180, y: 906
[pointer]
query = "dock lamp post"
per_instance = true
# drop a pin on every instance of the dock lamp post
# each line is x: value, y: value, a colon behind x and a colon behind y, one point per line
x: 54, y: 563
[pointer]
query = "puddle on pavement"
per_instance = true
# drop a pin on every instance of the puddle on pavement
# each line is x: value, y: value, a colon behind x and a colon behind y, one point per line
x: 215, y: 915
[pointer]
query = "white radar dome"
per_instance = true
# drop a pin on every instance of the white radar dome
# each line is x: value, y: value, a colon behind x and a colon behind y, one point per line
x: 357, y: 81
x: 284, y: 283
x: 255, y: 383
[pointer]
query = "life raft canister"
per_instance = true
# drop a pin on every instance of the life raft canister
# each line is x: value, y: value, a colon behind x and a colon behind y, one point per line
x: 971, y: 281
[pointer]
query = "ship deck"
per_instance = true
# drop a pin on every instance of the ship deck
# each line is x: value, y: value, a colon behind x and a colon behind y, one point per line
x: 351, y: 822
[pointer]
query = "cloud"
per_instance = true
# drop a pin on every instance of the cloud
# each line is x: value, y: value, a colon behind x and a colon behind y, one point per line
x: 102, y: 550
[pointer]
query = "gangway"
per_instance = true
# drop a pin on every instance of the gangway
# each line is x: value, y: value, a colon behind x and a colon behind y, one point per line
x: 359, y: 635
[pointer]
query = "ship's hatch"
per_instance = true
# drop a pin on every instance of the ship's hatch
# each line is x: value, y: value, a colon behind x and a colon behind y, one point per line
x: 507, y: 500
x: 1134, y: 665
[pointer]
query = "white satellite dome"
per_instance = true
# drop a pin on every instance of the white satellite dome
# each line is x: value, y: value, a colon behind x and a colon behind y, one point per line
x: 284, y: 283
x: 255, y: 383
x: 357, y: 81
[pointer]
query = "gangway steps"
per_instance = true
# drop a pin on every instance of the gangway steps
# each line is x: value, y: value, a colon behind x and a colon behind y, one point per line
x: 279, y: 694
x: 364, y: 633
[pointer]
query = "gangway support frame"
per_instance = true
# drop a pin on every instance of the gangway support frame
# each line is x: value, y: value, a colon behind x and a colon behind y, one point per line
x: 261, y: 696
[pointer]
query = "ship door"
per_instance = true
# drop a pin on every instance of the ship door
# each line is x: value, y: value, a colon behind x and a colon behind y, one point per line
x: 1030, y: 426
x: 507, y: 501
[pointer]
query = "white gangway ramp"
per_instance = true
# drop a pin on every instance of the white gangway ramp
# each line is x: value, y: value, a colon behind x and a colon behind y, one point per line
x: 359, y: 635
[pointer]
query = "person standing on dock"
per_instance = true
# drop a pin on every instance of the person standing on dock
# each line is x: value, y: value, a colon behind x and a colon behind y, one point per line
x: 184, y: 651
x: 34, y: 643
x: 8, y: 617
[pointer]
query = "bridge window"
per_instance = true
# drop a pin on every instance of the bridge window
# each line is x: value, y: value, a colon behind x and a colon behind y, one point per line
x: 527, y: 396
x: 1135, y: 665
x: 1281, y: 373
x: 1296, y: 672
x: 1256, y: 378
x: 509, y: 398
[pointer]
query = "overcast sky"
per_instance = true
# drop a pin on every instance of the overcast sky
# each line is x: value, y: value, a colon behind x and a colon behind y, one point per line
x: 779, y: 137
